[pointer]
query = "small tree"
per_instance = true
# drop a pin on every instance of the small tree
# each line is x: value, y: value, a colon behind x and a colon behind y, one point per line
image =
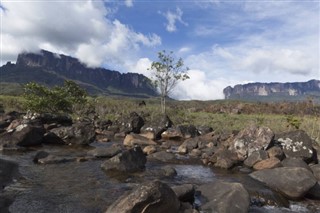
x: 56, y: 100
x: 167, y: 72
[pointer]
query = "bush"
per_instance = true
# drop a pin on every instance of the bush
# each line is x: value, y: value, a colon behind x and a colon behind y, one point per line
x: 61, y: 99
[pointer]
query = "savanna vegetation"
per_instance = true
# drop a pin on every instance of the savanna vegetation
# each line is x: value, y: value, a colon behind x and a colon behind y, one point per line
x: 222, y: 115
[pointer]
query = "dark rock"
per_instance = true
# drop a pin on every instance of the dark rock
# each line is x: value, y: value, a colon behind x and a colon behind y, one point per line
x: 163, y: 156
x: 203, y: 130
x: 103, y: 124
x: 8, y: 171
x: 168, y: 171
x: 297, y: 144
x: 224, y: 197
x: 172, y: 133
x: 47, y: 118
x: 108, y: 152
x: 295, y: 162
x: 132, y: 123
x: 51, y: 138
x: 53, y: 159
x: 225, y: 159
x: 80, y: 133
x: 185, y: 192
x: 293, y: 182
x: 154, y: 197
x: 132, y: 160
x: 252, y: 139
x: 40, y: 155
x: 316, y: 171
x: 255, y: 157
x: 314, y: 192
x: 159, y: 126
x: 188, y: 131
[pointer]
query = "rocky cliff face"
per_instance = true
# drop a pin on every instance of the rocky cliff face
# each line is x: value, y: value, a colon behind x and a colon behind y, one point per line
x: 257, y: 91
x: 52, y: 69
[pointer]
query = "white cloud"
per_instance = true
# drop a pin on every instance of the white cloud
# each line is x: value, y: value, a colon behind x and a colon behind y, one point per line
x: 79, y: 28
x: 128, y: 3
x: 172, y: 18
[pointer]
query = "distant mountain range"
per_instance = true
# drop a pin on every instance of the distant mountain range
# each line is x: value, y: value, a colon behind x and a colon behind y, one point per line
x: 274, y: 91
x: 52, y: 69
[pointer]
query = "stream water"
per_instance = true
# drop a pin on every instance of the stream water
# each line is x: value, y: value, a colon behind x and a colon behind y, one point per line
x: 82, y: 187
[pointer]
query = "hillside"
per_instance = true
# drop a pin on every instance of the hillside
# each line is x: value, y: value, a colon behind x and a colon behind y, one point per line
x: 52, y: 69
x: 295, y: 91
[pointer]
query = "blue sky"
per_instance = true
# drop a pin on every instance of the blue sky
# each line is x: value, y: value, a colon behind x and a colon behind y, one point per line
x: 223, y: 42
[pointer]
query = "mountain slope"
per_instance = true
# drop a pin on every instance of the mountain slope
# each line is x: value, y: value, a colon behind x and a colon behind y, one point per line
x: 52, y: 69
x: 274, y: 91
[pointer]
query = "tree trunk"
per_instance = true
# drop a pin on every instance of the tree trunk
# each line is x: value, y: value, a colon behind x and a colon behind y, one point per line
x: 163, y: 104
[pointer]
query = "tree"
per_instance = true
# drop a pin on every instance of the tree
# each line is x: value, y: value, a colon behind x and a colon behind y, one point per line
x: 166, y: 73
x: 56, y: 100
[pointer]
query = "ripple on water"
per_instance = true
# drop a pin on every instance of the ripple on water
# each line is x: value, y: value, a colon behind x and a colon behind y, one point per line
x: 194, y: 173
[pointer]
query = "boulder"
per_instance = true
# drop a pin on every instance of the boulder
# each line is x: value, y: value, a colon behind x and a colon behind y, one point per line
x: 225, y: 159
x: 132, y: 160
x: 159, y: 126
x: 105, y: 152
x: 297, y: 144
x: 153, y: 197
x: 203, y: 130
x: 269, y: 163
x: 295, y: 162
x: 185, y: 192
x: 132, y: 123
x: 179, y: 132
x: 314, y: 192
x: 135, y: 139
x: 316, y: 171
x: 52, y: 139
x: 172, y: 133
x: 276, y: 152
x: 148, y: 150
x: 168, y: 171
x: 252, y: 139
x: 163, y: 156
x: 255, y: 157
x: 63, y: 120
x: 80, y: 133
x: 293, y: 182
x: 24, y: 135
x: 224, y: 197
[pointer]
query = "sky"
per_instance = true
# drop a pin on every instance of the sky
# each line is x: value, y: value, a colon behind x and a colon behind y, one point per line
x: 222, y: 42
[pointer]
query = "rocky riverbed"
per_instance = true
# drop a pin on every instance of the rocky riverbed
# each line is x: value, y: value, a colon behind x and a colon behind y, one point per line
x: 54, y: 164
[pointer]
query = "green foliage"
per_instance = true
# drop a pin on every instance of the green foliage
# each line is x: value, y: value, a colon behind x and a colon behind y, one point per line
x: 293, y: 121
x: 167, y: 72
x: 56, y: 100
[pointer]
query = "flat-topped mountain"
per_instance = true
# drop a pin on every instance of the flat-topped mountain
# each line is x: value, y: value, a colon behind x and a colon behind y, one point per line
x: 274, y: 91
x: 52, y: 69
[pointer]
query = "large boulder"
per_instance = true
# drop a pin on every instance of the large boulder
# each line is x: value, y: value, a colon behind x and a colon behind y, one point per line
x: 295, y: 162
x: 135, y: 139
x: 154, y: 197
x: 80, y: 133
x: 185, y: 192
x: 293, y: 182
x: 132, y: 160
x: 23, y: 135
x: 159, y: 126
x: 132, y: 123
x: 252, y: 139
x: 297, y: 144
x: 224, y: 197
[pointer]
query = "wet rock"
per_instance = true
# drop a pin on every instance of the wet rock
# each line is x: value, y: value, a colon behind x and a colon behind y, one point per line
x: 269, y: 163
x: 8, y: 171
x: 135, y: 139
x: 53, y: 139
x: 316, y: 171
x: 276, y: 152
x: 131, y: 160
x: 107, y: 152
x: 148, y: 150
x: 168, y: 171
x: 80, y: 133
x: 24, y: 135
x: 314, y: 192
x: 293, y: 182
x: 185, y: 192
x: 163, y: 156
x: 295, y: 162
x: 53, y: 159
x: 297, y: 144
x: 40, y: 155
x: 225, y: 197
x: 252, y: 139
x: 255, y: 157
x: 154, y: 197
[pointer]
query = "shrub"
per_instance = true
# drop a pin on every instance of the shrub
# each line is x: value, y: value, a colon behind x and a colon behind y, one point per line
x: 59, y: 99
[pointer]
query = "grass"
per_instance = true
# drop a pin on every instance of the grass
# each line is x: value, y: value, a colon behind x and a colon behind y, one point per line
x: 280, y: 117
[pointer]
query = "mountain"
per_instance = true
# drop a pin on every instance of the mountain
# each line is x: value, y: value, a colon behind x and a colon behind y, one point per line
x: 274, y: 91
x: 52, y: 69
